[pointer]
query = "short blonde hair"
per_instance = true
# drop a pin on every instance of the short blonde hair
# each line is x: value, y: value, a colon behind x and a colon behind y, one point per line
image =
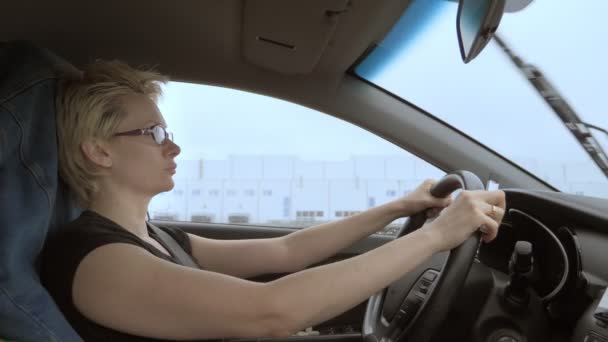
x: 89, y: 106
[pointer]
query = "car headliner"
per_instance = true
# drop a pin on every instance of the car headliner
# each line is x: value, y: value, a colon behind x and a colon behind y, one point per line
x: 202, y: 41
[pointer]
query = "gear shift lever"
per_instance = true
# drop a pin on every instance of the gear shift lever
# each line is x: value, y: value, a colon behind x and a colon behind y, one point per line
x: 521, y: 267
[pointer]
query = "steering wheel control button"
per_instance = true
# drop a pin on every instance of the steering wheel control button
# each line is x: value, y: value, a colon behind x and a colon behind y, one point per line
x: 425, y: 282
x: 430, y: 275
x: 408, y: 309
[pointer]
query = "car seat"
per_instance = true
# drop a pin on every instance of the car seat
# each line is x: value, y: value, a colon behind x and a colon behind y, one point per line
x: 33, y: 202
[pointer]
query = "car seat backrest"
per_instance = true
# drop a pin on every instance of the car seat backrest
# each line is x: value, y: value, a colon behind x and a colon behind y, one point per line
x: 32, y: 200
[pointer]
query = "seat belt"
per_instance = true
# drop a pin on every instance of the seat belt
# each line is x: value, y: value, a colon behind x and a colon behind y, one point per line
x: 178, y: 252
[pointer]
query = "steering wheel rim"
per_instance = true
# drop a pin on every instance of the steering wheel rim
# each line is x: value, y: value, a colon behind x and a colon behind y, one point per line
x: 433, y: 308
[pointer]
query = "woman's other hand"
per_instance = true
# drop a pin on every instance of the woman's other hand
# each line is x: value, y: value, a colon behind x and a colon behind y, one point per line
x: 470, y: 211
x: 421, y: 199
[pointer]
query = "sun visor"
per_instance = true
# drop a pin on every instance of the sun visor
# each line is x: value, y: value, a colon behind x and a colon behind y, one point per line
x: 289, y: 36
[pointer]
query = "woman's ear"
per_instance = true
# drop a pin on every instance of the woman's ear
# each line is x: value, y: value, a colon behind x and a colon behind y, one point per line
x: 96, y: 151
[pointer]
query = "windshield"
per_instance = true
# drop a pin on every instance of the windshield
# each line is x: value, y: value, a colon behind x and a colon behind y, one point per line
x: 490, y: 99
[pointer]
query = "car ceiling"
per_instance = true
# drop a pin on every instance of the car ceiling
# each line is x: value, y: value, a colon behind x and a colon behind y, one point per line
x: 227, y: 42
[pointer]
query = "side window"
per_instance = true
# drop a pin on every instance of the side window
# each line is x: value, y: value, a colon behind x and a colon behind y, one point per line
x: 253, y: 159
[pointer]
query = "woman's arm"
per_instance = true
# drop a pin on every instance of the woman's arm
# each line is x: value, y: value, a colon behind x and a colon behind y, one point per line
x: 298, y: 250
x: 315, y: 244
x: 124, y: 287
x: 251, y: 257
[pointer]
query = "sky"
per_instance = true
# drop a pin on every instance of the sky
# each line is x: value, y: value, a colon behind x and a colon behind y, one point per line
x: 487, y: 98
x: 215, y: 123
x: 490, y: 100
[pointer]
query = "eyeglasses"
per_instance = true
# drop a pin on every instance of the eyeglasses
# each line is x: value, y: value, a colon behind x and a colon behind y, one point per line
x: 159, y: 133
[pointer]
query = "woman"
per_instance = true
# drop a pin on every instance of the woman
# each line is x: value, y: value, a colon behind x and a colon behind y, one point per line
x: 114, y: 281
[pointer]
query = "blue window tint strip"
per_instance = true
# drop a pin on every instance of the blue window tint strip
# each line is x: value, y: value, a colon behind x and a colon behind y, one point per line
x: 412, y: 24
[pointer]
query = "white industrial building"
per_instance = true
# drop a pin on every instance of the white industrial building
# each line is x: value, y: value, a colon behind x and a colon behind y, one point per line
x: 284, y: 190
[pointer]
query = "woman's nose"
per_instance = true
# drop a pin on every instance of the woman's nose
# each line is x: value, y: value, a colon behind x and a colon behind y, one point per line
x: 172, y: 148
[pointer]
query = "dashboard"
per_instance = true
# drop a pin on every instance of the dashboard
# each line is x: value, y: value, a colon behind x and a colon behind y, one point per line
x: 569, y: 238
x: 550, y: 250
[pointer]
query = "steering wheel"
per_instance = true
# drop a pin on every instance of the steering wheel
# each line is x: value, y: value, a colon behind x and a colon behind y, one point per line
x: 412, y: 308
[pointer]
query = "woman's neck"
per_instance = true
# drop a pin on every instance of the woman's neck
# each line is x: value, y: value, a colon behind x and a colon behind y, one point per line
x: 128, y: 210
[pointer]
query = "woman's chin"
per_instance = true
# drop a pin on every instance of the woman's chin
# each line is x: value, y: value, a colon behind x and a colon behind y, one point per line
x: 168, y: 185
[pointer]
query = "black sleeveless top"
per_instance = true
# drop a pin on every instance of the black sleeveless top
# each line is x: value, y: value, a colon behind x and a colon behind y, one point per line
x: 64, y: 251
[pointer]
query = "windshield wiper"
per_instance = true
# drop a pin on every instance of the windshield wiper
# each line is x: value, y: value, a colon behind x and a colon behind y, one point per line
x: 564, y: 111
x: 597, y: 128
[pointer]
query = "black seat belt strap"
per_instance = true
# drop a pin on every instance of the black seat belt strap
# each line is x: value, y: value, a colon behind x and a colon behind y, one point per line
x: 178, y: 252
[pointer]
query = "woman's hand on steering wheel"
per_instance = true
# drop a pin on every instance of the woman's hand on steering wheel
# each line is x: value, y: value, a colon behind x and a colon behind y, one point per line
x: 421, y: 200
x: 470, y: 211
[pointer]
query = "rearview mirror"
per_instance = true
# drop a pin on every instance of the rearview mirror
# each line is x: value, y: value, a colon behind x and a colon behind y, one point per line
x: 476, y: 23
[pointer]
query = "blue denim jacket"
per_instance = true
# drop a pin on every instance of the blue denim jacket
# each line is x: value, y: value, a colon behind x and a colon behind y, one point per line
x: 32, y: 202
